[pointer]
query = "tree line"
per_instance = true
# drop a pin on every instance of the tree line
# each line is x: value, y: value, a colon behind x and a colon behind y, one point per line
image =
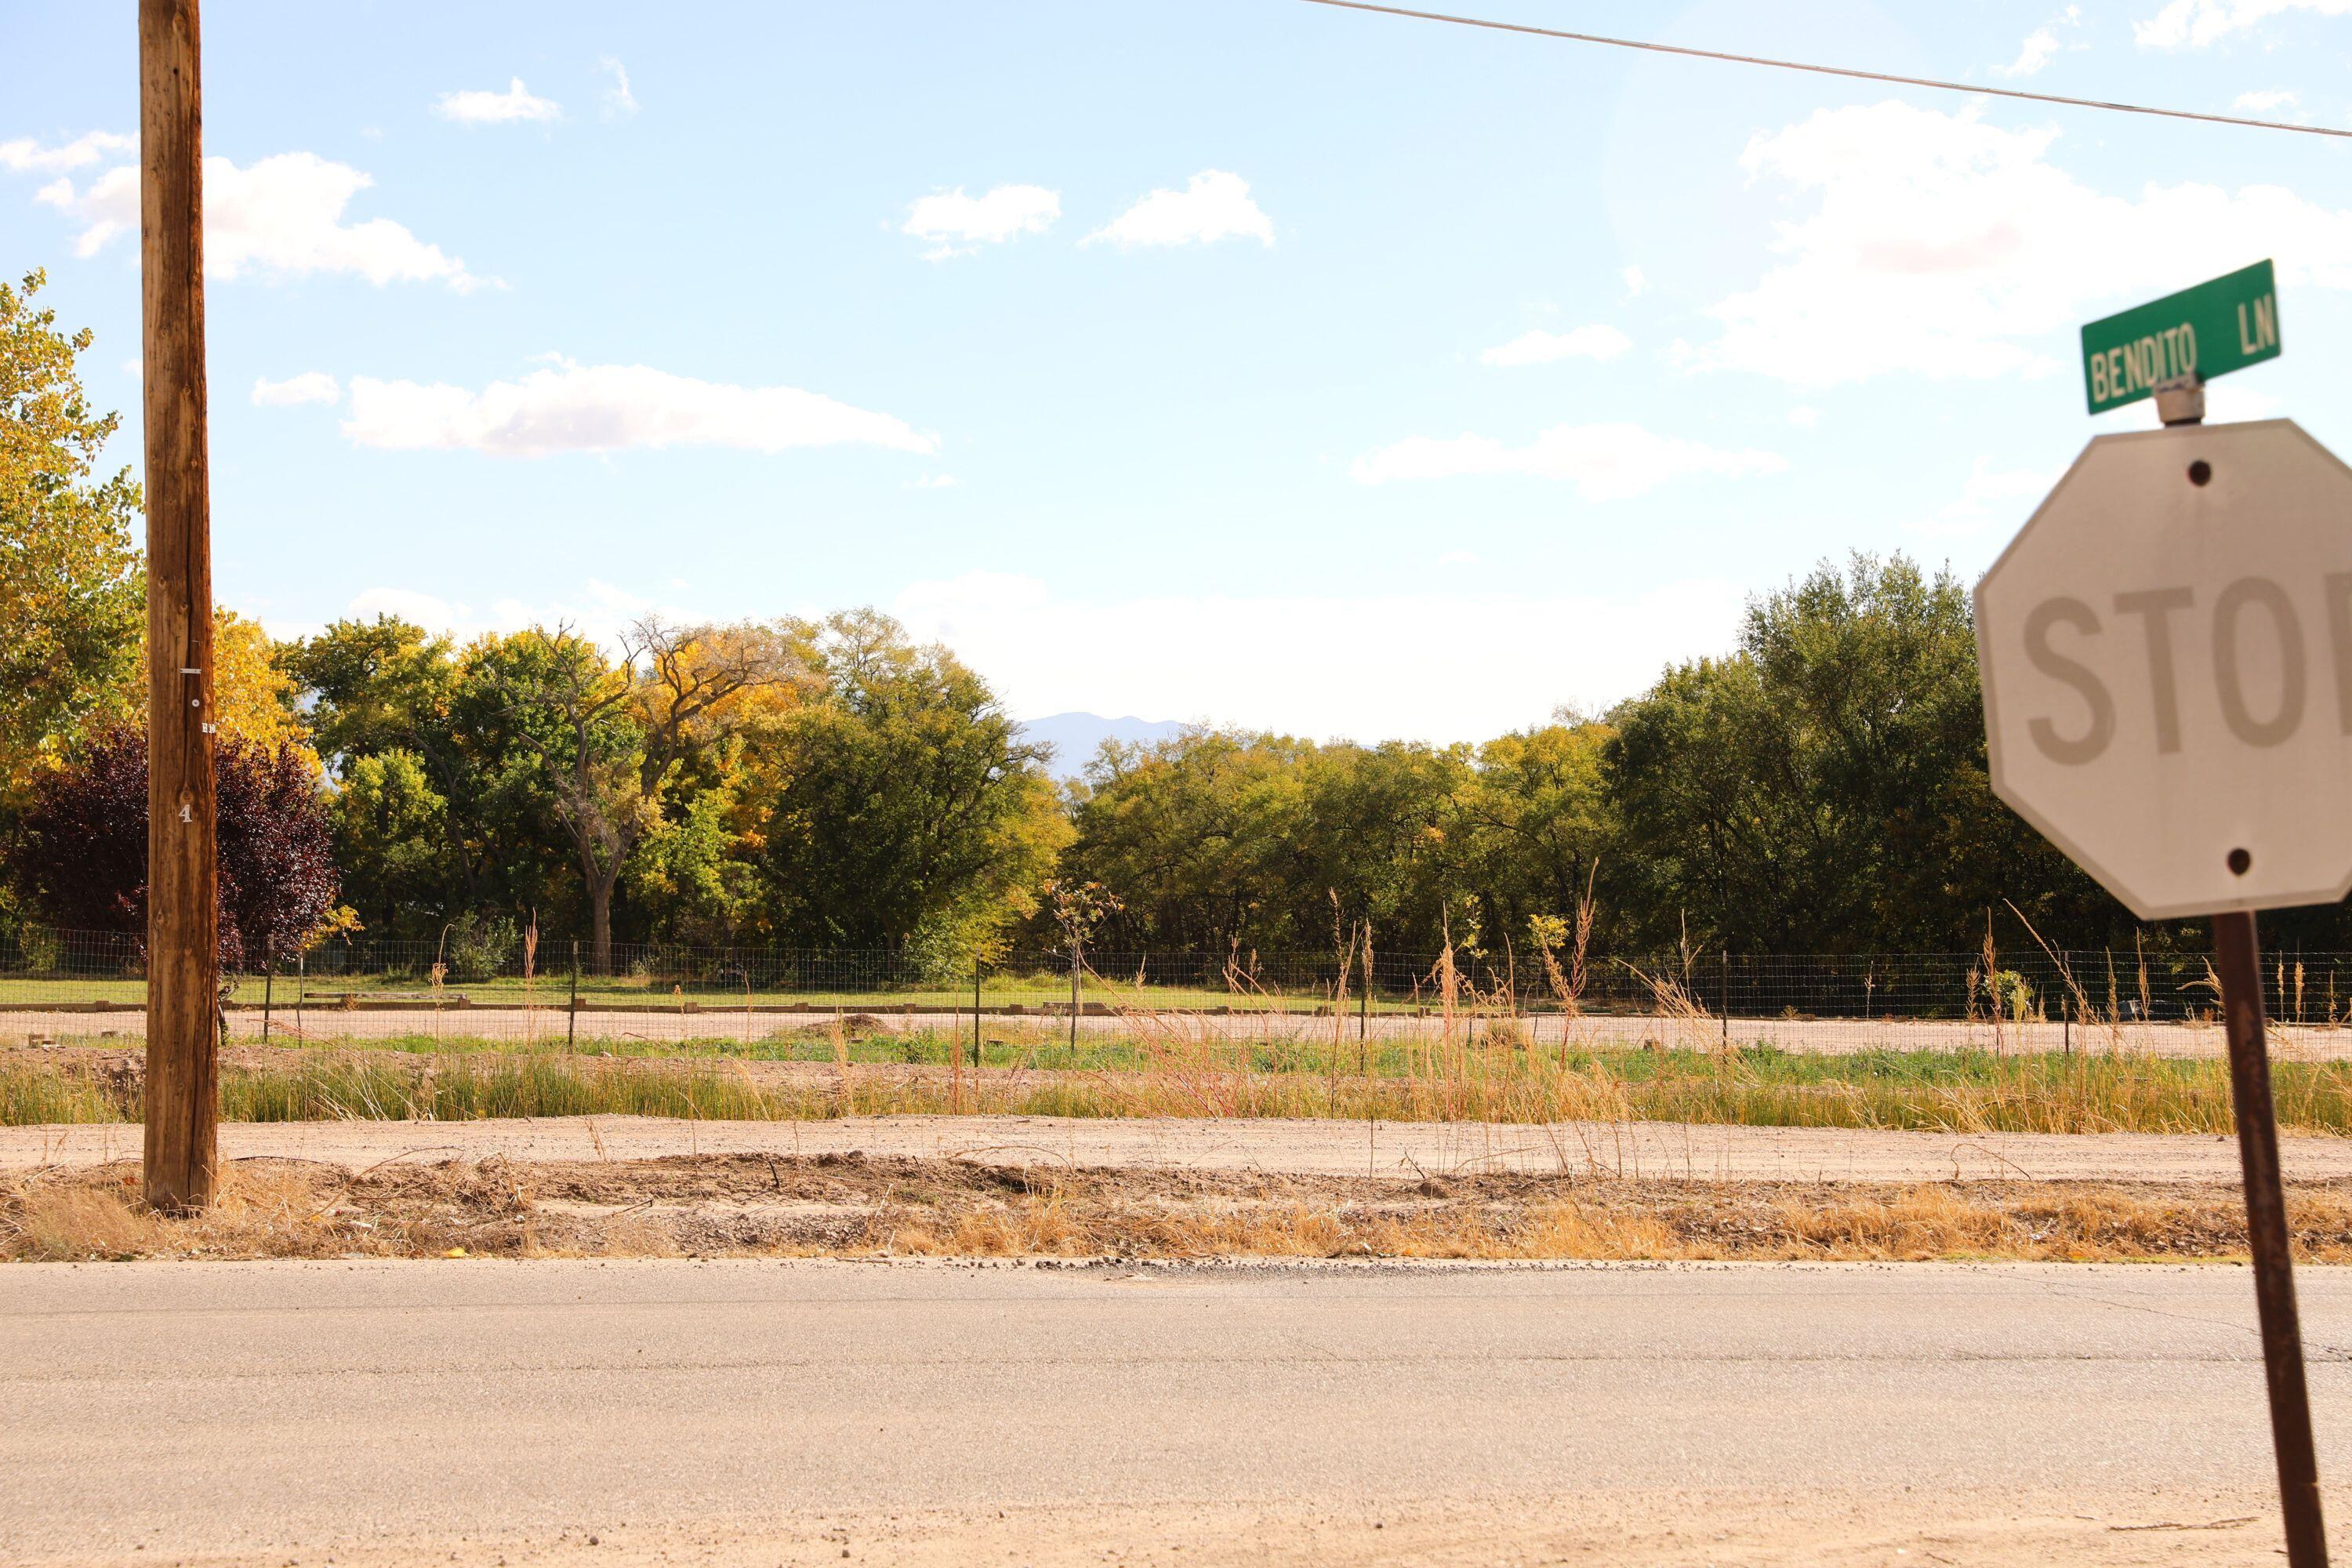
x: 1819, y: 787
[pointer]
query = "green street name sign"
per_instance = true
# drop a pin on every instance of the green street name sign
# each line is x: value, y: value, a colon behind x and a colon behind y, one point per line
x: 2210, y: 329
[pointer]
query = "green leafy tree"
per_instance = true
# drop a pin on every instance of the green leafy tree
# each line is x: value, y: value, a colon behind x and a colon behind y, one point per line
x: 377, y: 686
x: 548, y: 718
x: 1541, y: 823
x: 1384, y: 834
x: 1824, y: 788
x: 1196, y: 832
x: 903, y: 807
x: 1714, y: 825
x: 392, y: 838
x: 690, y: 876
x: 1221, y: 838
x: 370, y: 688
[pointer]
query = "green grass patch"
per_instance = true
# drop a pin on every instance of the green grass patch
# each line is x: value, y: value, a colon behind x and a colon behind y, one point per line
x: 1923, y: 1090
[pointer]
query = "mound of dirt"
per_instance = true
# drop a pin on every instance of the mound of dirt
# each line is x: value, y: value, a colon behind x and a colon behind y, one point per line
x: 855, y: 1205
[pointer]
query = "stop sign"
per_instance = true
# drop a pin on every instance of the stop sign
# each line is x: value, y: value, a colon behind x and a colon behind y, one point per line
x: 2166, y: 656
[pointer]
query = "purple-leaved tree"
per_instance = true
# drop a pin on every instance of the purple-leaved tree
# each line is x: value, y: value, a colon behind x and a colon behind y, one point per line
x: 80, y: 856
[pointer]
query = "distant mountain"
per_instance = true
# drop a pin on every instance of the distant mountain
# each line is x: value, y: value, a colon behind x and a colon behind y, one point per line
x: 1076, y: 737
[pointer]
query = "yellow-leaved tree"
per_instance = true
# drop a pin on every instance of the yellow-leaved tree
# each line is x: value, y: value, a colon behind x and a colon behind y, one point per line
x: 72, y: 590
x: 253, y: 696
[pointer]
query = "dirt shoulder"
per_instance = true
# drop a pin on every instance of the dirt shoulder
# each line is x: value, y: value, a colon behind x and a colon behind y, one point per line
x: 1390, y: 1150
x: 856, y: 1206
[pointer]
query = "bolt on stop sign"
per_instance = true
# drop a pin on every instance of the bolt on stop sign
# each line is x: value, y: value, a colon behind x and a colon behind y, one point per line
x: 2166, y: 656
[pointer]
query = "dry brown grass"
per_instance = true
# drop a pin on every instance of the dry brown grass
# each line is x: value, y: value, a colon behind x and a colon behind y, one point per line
x: 752, y: 1204
x: 265, y: 1209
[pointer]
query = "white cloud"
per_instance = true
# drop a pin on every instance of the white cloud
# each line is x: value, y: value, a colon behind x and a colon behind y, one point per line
x: 611, y: 407
x: 1303, y: 663
x: 516, y: 105
x: 1539, y: 347
x: 426, y: 610
x: 1458, y: 558
x: 1637, y: 283
x: 1804, y: 416
x: 310, y: 386
x: 957, y: 225
x: 26, y: 156
x: 1947, y: 247
x: 934, y: 482
x: 1989, y: 500
x: 1606, y: 462
x: 281, y: 215
x: 2201, y: 22
x: 1213, y: 206
x: 618, y: 101
x: 2264, y: 102
x: 2041, y: 46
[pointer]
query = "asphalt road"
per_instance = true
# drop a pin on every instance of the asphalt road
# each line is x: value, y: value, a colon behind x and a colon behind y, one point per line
x: 775, y: 1412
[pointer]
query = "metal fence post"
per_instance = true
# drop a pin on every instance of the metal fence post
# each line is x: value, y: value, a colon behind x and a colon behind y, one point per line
x: 572, y: 1014
x: 975, y: 1023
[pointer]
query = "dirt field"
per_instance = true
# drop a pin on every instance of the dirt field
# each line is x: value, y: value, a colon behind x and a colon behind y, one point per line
x: 548, y: 1025
x: 1384, y: 1151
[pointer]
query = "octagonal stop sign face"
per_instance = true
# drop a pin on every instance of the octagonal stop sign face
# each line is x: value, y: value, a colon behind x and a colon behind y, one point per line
x: 2166, y: 656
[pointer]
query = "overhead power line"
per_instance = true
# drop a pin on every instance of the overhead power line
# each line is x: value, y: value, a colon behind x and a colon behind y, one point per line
x: 1886, y: 77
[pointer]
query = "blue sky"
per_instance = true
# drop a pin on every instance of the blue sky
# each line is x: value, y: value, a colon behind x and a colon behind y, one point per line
x: 1448, y: 376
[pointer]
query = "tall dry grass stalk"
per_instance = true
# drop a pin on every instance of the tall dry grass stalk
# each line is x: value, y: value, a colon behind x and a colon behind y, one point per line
x: 1568, y: 984
x: 530, y: 974
x: 2085, y: 1012
x: 845, y: 1070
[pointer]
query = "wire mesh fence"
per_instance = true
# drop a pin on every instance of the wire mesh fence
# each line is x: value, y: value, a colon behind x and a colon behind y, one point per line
x: 61, y: 987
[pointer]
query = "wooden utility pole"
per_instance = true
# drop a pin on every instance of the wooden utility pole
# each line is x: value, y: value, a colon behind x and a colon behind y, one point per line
x: 182, y: 919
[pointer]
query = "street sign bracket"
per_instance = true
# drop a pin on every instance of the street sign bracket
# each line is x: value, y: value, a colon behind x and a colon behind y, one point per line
x: 2181, y: 400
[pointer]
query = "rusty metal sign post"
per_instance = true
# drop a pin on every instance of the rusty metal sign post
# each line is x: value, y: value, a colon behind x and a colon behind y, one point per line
x: 2158, y: 647
x: 2236, y: 958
